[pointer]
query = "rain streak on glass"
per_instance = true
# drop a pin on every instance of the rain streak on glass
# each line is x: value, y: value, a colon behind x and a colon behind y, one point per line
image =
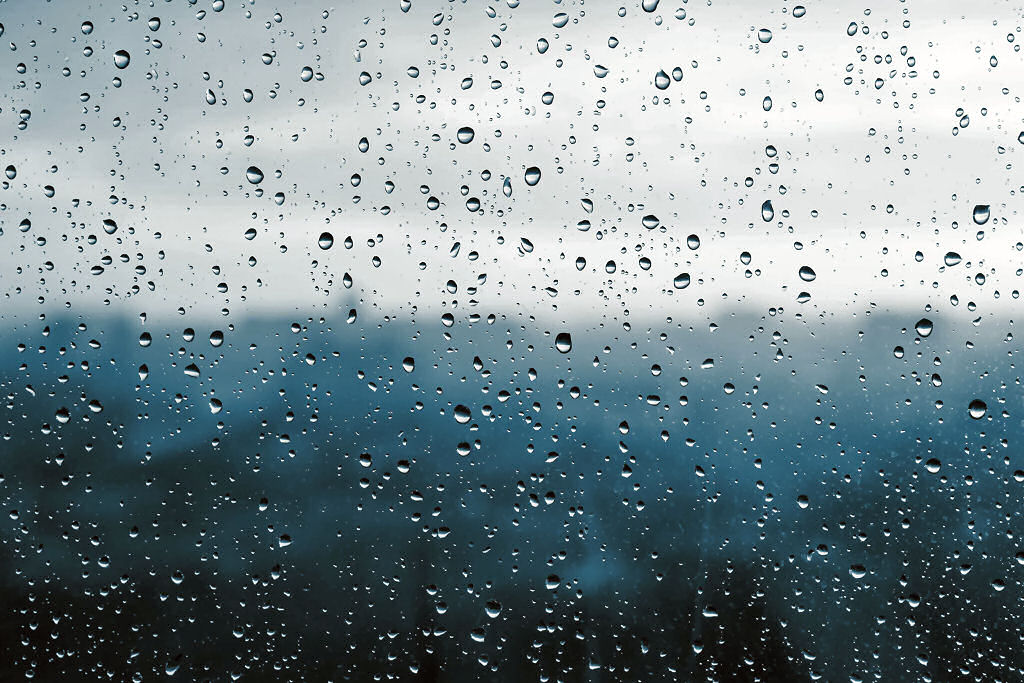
x: 525, y: 341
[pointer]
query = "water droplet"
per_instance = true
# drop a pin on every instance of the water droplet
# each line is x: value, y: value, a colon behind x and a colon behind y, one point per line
x: 681, y: 281
x: 819, y: 95
x: 532, y: 176
x: 977, y: 409
x: 326, y: 241
x: 799, y: 11
x: 154, y: 23
x: 661, y: 80
x: 109, y: 226
x: 122, y: 59
x: 563, y: 342
x: 650, y: 221
x: 408, y: 364
x: 462, y: 414
x: 254, y: 175
x: 924, y: 327
x: 465, y: 135
x: 693, y: 242
x: 807, y: 274
x: 766, y: 103
x: 216, y: 338
x: 981, y: 214
x: 600, y: 70
x: 560, y: 20
x: 649, y: 5
x: 933, y: 465
x: 858, y: 571
x: 364, y: 78
x: 306, y: 75
x: 951, y: 258
x: 86, y: 27
x: 552, y: 582
x: 767, y: 211
x: 764, y: 35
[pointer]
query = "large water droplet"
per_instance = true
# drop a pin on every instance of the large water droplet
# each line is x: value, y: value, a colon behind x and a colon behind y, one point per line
x: 767, y: 211
x: 764, y: 35
x: 465, y: 135
x: 122, y: 59
x: 681, y: 281
x: 951, y: 258
x: 661, y: 80
x: 532, y: 176
x: 254, y: 175
x: 924, y: 327
x: 326, y: 241
x: 807, y: 274
x: 649, y: 5
x: 462, y: 414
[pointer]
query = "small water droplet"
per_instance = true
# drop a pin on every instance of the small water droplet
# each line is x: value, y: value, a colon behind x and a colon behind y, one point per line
x: 767, y: 211
x: 981, y: 214
x: 563, y: 342
x: 661, y: 80
x: 977, y: 409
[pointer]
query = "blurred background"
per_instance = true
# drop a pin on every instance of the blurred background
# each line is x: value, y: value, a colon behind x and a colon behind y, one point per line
x: 546, y: 341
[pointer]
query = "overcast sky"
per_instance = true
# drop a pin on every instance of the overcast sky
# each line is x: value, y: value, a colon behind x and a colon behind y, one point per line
x: 170, y: 168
